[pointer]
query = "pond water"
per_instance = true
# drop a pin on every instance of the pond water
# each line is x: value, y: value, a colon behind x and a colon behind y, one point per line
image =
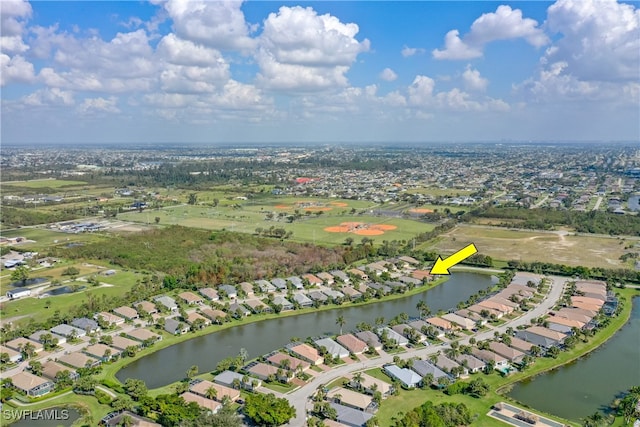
x: 50, y: 417
x: 171, y: 363
x: 63, y: 290
x: 28, y: 282
x: 578, y: 389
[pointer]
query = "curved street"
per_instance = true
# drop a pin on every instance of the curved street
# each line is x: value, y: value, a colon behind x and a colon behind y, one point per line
x: 300, y: 398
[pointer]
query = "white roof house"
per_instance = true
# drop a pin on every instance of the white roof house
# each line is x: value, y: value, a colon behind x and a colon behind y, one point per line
x: 333, y: 348
x: 407, y: 377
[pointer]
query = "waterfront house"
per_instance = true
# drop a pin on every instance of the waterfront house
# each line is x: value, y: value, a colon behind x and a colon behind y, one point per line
x: 78, y: 360
x: 386, y: 290
x: 143, y: 335
x: 333, y: 348
x: 302, y: 300
x: 227, y: 378
x: 573, y: 314
x: 350, y: 398
x: 238, y: 310
x: 31, y: 385
x: 209, y: 293
x: 406, y: 331
x: 351, y: 293
x: 278, y: 358
x: 51, y: 368
x: 462, y: 322
x: 422, y: 275
x: 472, y: 316
x: 216, y: 316
x: 102, y: 352
x: 472, y: 364
x: 167, y: 302
x: 306, y: 352
x: 90, y: 326
x: 541, y: 336
x: 175, y: 327
x: 190, y: 298
x: 283, y: 302
x: 447, y: 364
x: 318, y: 296
x: 511, y: 354
x: 14, y: 356
x: 520, y: 345
x: 121, y: 343
x: 419, y: 325
x: 333, y: 295
x: 200, y: 387
x: 392, y: 335
x: 489, y: 356
x: 370, y: 338
x: 441, y: 324
x: 68, y: 331
x: 352, y: 343
x: 193, y: 317
x: 564, y: 325
x: 257, y: 306
x: 412, y: 281
x: 407, y: 377
x: 265, y: 371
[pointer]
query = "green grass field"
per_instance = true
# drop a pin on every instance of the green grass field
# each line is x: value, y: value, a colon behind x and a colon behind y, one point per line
x: 41, y: 308
x: 44, y: 183
x: 246, y: 217
x: 44, y: 239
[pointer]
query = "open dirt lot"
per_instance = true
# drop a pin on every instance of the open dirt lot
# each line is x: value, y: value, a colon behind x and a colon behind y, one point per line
x: 553, y: 247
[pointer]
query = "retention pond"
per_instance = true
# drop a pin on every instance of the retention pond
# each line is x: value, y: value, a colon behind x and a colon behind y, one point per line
x: 170, y: 364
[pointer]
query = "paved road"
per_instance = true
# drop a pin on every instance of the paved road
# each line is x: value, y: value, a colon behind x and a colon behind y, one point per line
x: 597, y: 205
x: 300, y: 398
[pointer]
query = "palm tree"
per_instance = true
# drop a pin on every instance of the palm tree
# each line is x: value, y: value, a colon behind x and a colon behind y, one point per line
x: 357, y: 378
x: 340, y: 322
x: 211, y: 393
x: 423, y: 308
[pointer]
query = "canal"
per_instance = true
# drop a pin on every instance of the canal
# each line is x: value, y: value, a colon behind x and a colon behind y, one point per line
x: 170, y: 364
x: 580, y: 388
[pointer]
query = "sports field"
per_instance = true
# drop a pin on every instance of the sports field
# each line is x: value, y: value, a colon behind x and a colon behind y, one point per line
x: 44, y: 183
x: 318, y: 220
x: 552, y: 247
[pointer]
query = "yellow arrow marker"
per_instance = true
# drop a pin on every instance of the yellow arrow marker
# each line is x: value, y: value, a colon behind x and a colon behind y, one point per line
x: 442, y: 266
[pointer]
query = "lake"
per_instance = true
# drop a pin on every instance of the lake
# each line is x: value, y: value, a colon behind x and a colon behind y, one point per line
x: 170, y: 364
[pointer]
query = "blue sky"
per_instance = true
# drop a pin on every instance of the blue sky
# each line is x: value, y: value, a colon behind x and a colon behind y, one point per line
x: 227, y: 71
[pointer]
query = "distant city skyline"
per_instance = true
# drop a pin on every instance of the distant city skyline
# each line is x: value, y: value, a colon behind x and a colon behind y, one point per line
x: 250, y: 72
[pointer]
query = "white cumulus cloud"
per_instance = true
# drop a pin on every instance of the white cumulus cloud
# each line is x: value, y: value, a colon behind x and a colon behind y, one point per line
x: 388, y: 75
x: 410, y: 51
x: 473, y: 80
x: 503, y: 24
x: 218, y: 24
x: 301, y: 50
